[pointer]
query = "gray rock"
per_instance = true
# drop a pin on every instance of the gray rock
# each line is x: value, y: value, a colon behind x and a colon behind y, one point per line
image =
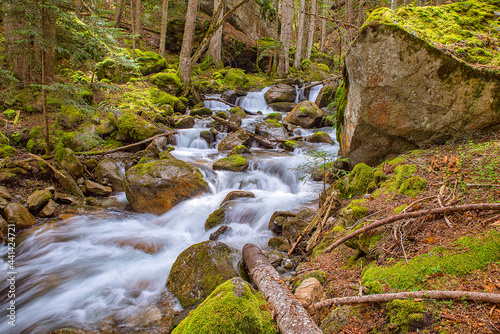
x: 234, y: 139
x: 220, y: 231
x: 280, y: 93
x: 17, y: 214
x: 49, y: 209
x: 271, y: 129
x: 108, y: 172
x: 96, y: 189
x: 274, y: 258
x: 305, y: 114
x: 158, y: 145
x: 282, y: 106
x: 185, y: 122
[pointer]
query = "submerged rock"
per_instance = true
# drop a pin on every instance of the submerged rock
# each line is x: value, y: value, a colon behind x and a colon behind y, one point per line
x: 157, y: 186
x: 199, y: 269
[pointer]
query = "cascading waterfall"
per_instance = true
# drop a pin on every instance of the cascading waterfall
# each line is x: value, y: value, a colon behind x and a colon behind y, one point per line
x: 101, y: 269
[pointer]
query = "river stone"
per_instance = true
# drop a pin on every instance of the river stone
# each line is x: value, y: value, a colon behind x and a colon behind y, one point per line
x: 3, y: 203
x: 158, y: 145
x: 234, y: 163
x: 282, y: 106
x: 199, y: 269
x: 201, y: 112
x: 320, y: 137
x: 185, y: 122
x: 7, y: 178
x: 220, y: 231
x: 405, y: 93
x: 69, y: 184
x: 274, y: 257
x: 49, y: 209
x: 289, y: 224
x: 238, y: 309
x: 4, y: 230
x: 271, y: 129
x: 306, y: 114
x: 237, y: 194
x: 157, y: 186
x: 240, y: 137
x: 237, y: 117
x: 280, y: 93
x: 38, y: 200
x: 17, y: 214
x: 108, y: 172
x: 208, y: 136
x: 218, y: 217
x: 309, y: 293
x: 96, y: 189
x: 4, y: 193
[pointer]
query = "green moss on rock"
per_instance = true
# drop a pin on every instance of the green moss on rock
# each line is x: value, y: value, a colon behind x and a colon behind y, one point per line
x: 359, y: 179
x: 412, y: 186
x: 169, y: 82
x: 9, y: 114
x: 235, y: 163
x: 274, y: 115
x: 135, y: 127
x: 354, y: 211
x: 236, y: 78
x: 149, y: 62
x: 403, y: 313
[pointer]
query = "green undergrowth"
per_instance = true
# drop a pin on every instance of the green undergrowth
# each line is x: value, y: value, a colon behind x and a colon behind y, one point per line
x: 467, y: 30
x: 468, y: 255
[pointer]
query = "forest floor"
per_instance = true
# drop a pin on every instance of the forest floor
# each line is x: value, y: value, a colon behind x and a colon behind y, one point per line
x: 461, y: 173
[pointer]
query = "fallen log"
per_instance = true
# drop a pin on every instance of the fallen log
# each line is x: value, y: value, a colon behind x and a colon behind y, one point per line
x: 262, y: 141
x: 291, y: 316
x: 122, y: 148
x: 393, y: 218
x: 431, y: 294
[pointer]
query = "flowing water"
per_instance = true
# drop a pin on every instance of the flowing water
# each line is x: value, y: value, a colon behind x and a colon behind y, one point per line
x: 87, y: 269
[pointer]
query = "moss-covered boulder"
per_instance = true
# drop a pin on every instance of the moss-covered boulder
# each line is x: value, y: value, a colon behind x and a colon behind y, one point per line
x: 201, y: 112
x: 306, y: 114
x: 240, y: 149
x: 280, y: 93
x: 70, y: 116
x: 282, y: 106
x: 271, y: 128
x: 326, y: 95
x: 161, y: 98
x: 412, y: 186
x: 234, y: 163
x: 149, y: 62
x: 67, y: 158
x: 401, y: 174
x: 218, y: 217
x: 36, y: 143
x: 157, y: 186
x: 236, y: 78
x: 417, y: 78
x: 198, y: 271
x: 82, y: 140
x: 237, y: 117
x: 275, y: 116
x: 115, y: 71
x: 136, y: 128
x: 354, y: 212
x: 185, y: 122
x: 234, y: 307
x: 320, y: 137
x: 167, y: 82
x: 18, y: 215
x: 289, y: 224
x: 7, y: 151
x: 240, y: 137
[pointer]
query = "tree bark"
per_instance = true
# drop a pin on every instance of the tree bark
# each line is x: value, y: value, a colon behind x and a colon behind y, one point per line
x: 286, y: 27
x: 78, y: 9
x: 300, y: 35
x: 44, y: 91
x: 323, y: 36
x: 312, y: 27
x: 215, y: 47
x: 137, y: 26
x: 393, y: 218
x: 118, y: 12
x: 291, y: 317
x: 361, y: 14
x: 185, y: 65
x: 164, y: 22
x: 431, y: 294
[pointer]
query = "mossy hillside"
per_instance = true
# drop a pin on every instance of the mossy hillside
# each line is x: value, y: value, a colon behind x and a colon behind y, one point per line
x: 234, y: 307
x: 82, y: 140
x: 135, y: 127
x: 466, y: 30
x: 119, y: 70
x: 160, y: 98
x: 470, y: 254
x: 7, y: 151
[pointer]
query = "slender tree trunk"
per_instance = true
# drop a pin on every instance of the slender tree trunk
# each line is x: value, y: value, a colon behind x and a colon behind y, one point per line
x: 323, y: 36
x: 187, y: 45
x: 361, y: 14
x: 300, y: 35
x: 164, y: 22
x: 78, y: 9
x: 137, y: 26
x: 291, y: 316
x: 275, y: 57
x: 312, y: 27
x: 350, y: 4
x: 215, y: 48
x: 44, y: 92
x: 118, y: 12
x: 286, y: 27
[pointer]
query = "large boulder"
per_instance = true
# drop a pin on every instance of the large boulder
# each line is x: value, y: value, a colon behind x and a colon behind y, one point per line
x: 136, y: 128
x: 18, y: 215
x: 157, y: 186
x: 109, y: 172
x: 234, y: 163
x: 239, y: 309
x: 240, y: 137
x: 271, y: 129
x: 405, y: 89
x: 282, y: 106
x: 199, y: 269
x: 306, y: 114
x: 280, y: 93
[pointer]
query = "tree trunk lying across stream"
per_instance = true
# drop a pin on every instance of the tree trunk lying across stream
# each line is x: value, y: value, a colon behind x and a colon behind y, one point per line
x: 291, y: 317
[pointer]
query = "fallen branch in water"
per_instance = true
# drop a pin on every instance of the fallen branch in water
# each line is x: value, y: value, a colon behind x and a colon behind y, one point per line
x: 122, y: 148
x: 430, y: 294
x: 393, y: 218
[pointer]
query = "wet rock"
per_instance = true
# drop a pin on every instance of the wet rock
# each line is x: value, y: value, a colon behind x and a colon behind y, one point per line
x: 208, y: 136
x: 280, y: 93
x: 64, y: 198
x: 234, y: 163
x: 4, y: 193
x: 199, y: 269
x: 92, y: 201
x: 157, y: 186
x: 38, y: 200
x: 96, y: 189
x: 271, y: 129
x: 282, y: 106
x: 232, y: 95
x: 17, y: 214
x: 274, y: 258
x: 158, y: 145
x: 201, y: 112
x: 108, y: 172
x: 146, y: 316
x: 306, y: 114
x: 289, y: 224
x: 185, y: 122
x: 321, y: 137
x: 149, y: 246
x: 308, y: 293
x: 237, y: 194
x: 220, y: 231
x: 281, y: 244
x: 4, y: 230
x: 280, y: 218
x: 234, y: 139
x: 239, y: 309
x: 241, y: 149
x: 326, y: 95
x: 218, y: 217
x: 49, y: 209
x: 237, y: 117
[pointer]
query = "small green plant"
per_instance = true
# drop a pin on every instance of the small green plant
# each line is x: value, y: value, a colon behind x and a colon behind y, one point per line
x: 317, y: 161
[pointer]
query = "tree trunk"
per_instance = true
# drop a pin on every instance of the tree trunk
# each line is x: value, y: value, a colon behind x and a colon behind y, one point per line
x: 323, y: 36
x: 187, y: 45
x: 300, y: 35
x: 361, y: 14
x: 286, y: 27
x: 137, y: 26
x: 312, y: 27
x: 78, y: 9
x: 215, y: 48
x: 350, y: 4
x: 291, y: 317
x: 164, y: 22
x: 44, y: 92
x: 118, y: 12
